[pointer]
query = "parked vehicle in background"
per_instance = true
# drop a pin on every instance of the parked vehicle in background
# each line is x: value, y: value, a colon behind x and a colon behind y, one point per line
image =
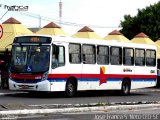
x: 51, y: 63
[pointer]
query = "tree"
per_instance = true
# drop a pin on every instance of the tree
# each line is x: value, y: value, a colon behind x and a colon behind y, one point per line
x: 147, y: 20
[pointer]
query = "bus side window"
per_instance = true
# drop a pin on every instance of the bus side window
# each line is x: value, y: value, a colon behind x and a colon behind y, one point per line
x: 74, y: 53
x: 116, y: 56
x: 102, y: 55
x: 128, y: 56
x: 150, y: 57
x: 139, y: 57
x: 89, y: 54
x: 58, y: 58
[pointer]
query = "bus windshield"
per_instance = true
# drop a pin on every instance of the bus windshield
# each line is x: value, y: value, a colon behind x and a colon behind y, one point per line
x: 30, y: 59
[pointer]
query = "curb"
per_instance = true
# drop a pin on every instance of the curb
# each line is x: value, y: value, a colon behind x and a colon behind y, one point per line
x: 10, y: 93
x: 78, y: 109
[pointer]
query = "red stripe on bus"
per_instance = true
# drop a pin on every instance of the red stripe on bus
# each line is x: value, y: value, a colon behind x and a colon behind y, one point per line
x: 26, y: 76
x: 98, y: 75
x: 63, y: 75
x: 32, y: 77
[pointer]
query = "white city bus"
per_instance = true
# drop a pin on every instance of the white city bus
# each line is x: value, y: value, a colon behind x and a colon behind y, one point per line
x: 57, y: 63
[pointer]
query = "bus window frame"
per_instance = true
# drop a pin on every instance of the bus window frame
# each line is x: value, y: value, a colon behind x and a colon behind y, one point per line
x: 120, y: 56
x: 132, y: 57
x: 144, y: 62
x: 75, y: 53
x: 151, y: 58
x: 56, y: 48
x: 108, y: 56
x: 83, y: 55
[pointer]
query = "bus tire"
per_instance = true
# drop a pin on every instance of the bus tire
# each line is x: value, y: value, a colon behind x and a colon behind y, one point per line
x: 71, y: 88
x: 126, y: 87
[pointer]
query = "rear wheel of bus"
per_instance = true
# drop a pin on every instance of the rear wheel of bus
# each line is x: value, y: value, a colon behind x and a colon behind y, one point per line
x: 126, y: 87
x: 71, y: 88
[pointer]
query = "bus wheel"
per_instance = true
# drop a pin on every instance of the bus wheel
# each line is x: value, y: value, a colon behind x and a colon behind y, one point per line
x: 70, y: 88
x: 126, y: 86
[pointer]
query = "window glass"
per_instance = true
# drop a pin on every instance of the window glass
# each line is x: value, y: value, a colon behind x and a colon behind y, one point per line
x: 89, y: 54
x: 33, y: 58
x: 140, y: 57
x: 150, y: 57
x: 21, y: 55
x: 58, y: 57
x: 74, y: 53
x: 116, y: 56
x: 102, y: 55
x: 128, y: 58
x: 61, y: 55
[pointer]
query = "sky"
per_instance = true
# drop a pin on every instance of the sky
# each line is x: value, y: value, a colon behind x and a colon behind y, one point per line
x: 102, y: 16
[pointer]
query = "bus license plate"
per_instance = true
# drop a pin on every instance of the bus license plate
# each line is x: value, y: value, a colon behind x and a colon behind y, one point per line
x: 24, y: 87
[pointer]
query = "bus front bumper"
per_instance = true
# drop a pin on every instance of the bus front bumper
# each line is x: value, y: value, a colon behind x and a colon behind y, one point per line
x: 39, y: 86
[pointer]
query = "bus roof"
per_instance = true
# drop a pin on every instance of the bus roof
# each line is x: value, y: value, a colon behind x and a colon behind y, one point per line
x: 69, y: 39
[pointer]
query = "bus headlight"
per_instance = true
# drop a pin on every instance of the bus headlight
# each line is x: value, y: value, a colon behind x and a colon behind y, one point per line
x: 45, y: 76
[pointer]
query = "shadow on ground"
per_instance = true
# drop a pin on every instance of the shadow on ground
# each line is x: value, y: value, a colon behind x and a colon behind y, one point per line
x: 79, y: 94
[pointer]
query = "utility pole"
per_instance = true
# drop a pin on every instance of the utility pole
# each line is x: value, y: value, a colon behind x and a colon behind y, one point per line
x: 39, y: 21
x: 60, y: 12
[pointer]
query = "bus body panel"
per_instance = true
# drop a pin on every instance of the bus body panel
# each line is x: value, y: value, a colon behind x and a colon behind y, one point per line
x: 144, y: 77
x: 92, y: 76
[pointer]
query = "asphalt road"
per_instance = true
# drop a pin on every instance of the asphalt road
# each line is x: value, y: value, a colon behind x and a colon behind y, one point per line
x: 141, y: 95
